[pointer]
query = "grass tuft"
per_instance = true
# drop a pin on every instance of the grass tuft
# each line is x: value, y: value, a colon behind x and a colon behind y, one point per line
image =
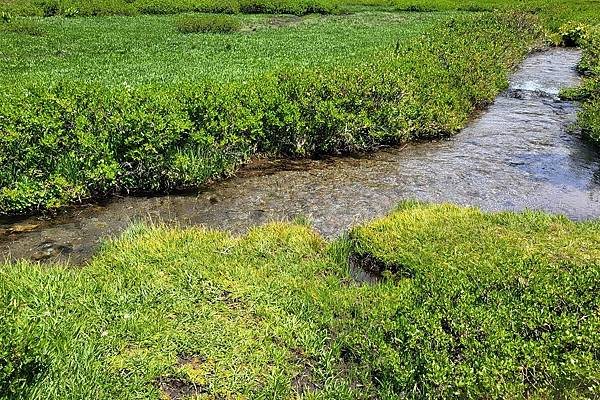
x: 23, y: 27
x: 207, y: 24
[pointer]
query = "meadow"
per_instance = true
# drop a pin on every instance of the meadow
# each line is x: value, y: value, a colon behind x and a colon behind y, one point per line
x: 137, y: 102
x: 465, y: 305
x: 83, y: 136
x: 112, y: 97
x: 148, y: 49
x: 554, y: 12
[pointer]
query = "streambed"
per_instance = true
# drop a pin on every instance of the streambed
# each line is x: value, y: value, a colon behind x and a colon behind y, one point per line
x: 517, y: 154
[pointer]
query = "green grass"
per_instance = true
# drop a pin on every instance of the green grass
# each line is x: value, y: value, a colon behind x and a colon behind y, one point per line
x: 473, y: 305
x: 149, y: 49
x: 207, y: 24
x: 587, y: 37
x: 469, y: 304
x: 75, y: 8
x: 589, y: 118
x: 101, y: 105
x: 554, y: 12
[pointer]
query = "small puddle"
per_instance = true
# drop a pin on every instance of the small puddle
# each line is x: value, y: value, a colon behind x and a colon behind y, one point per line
x: 516, y: 155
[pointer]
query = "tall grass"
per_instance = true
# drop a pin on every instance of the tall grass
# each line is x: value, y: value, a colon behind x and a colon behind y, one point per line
x: 207, y: 24
x: 588, y: 37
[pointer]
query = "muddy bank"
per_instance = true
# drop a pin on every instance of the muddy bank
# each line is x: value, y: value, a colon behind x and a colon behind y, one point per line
x: 518, y: 154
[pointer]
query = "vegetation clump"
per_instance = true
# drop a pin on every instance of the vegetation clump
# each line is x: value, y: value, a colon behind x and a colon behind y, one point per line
x: 71, y: 8
x: 497, y: 305
x: 588, y: 38
x: 21, y: 26
x: 207, y: 24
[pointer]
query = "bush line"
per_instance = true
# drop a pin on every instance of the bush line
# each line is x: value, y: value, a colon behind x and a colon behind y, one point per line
x: 74, y: 8
x: 588, y: 38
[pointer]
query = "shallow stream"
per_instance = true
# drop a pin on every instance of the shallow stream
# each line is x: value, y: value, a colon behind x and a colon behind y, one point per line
x: 517, y: 154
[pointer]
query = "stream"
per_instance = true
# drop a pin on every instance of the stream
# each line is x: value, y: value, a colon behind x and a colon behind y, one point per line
x: 517, y: 154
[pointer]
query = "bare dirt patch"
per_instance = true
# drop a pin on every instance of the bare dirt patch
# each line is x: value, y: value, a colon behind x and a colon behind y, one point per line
x: 177, y: 388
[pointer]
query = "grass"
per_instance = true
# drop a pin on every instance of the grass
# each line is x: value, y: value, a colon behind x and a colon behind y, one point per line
x: 472, y: 305
x: 587, y: 37
x: 103, y: 105
x: 467, y: 304
x: 149, y: 50
x: 22, y: 28
x: 554, y: 12
x: 204, y: 24
x: 589, y: 118
x: 75, y: 8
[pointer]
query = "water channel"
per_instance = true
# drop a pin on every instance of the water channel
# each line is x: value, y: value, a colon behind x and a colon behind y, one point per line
x: 517, y: 154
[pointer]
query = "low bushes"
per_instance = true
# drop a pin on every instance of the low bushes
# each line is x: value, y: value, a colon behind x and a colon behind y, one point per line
x: 297, y: 7
x: 181, y: 6
x: 553, y: 12
x: 207, y: 24
x: 495, y: 306
x: 587, y: 37
x: 589, y: 118
x: 72, y: 8
x: 72, y: 141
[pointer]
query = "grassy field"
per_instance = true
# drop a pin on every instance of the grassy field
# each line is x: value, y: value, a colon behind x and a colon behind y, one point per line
x: 74, y: 8
x: 100, y: 105
x: 147, y: 49
x: 470, y: 305
x: 460, y: 304
x: 554, y: 12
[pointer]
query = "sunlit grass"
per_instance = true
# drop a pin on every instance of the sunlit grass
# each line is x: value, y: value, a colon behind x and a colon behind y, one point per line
x: 117, y: 111
x: 149, y: 49
x: 496, y: 304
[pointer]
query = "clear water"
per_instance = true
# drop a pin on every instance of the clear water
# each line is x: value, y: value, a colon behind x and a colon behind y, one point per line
x: 518, y: 154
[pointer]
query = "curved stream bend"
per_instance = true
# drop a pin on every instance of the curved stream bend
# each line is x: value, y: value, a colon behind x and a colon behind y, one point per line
x: 516, y: 155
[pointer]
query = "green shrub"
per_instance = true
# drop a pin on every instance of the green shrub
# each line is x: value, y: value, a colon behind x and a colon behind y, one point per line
x: 296, y: 7
x: 574, y: 34
x: 588, y: 37
x: 50, y: 8
x: 553, y: 12
x: 24, y: 27
x: 207, y: 24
